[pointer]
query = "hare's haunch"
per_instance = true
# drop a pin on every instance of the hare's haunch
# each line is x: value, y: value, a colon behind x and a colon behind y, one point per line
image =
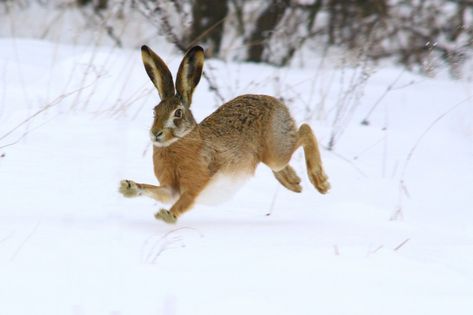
x: 188, y: 156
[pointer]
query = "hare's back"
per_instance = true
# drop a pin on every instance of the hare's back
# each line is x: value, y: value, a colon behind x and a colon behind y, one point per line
x: 245, y: 116
x: 247, y: 129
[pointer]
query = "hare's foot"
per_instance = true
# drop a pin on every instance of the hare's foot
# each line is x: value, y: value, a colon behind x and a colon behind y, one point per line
x: 313, y: 161
x: 129, y: 189
x: 166, y: 216
x: 289, y: 179
x: 319, y: 179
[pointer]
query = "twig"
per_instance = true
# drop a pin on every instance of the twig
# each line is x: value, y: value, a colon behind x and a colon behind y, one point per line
x: 213, y: 87
x: 402, y: 185
x: 348, y: 161
x: 357, y: 156
x: 208, y: 30
x: 110, y: 30
x: 4, y: 90
x: 439, y: 118
x: 17, y: 59
x: 121, y: 106
x: 349, y: 98
x: 397, y: 215
x: 27, y: 238
x: 21, y: 137
x: 336, y: 250
x: 128, y: 66
x: 273, y: 201
x: 102, y: 21
x: 402, y: 244
x: 388, y: 89
x: 6, y: 237
x: 163, y: 244
x: 375, y: 250
x: 385, y: 141
x: 44, y: 108
x: 48, y: 27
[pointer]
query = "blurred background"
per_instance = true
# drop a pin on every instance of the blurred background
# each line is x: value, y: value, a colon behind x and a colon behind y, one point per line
x: 421, y: 35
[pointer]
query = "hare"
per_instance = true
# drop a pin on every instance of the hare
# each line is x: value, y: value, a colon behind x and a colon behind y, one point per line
x: 230, y: 142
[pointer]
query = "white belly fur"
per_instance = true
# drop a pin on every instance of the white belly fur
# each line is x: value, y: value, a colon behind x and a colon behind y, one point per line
x: 221, y: 188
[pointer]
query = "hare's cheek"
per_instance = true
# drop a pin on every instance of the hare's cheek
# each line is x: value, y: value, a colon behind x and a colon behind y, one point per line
x: 167, y: 135
x: 177, y: 123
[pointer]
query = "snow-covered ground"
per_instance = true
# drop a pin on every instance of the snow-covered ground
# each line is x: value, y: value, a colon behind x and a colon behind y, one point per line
x: 394, y: 235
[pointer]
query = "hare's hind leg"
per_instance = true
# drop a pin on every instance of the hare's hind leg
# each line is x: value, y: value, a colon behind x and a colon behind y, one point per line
x: 280, y: 146
x: 317, y: 176
x: 129, y: 189
x: 288, y: 178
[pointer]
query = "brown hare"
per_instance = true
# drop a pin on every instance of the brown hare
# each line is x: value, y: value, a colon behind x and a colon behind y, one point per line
x: 247, y: 130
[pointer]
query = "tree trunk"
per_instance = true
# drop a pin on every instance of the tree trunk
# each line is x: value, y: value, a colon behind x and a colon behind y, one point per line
x: 208, y: 17
x: 265, y: 24
x: 98, y: 4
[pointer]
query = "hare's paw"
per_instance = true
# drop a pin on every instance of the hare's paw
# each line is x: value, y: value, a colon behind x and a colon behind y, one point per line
x: 320, y: 180
x: 289, y: 179
x: 129, y: 189
x: 166, y: 216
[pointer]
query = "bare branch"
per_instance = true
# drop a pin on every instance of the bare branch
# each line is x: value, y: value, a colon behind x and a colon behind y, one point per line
x: 53, y: 103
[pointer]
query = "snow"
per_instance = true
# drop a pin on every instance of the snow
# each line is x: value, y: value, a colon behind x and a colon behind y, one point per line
x: 70, y: 244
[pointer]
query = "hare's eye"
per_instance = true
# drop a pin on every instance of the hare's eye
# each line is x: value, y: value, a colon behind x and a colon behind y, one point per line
x: 178, y: 113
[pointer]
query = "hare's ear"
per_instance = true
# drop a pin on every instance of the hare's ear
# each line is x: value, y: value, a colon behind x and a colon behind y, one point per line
x: 158, y: 72
x: 188, y: 75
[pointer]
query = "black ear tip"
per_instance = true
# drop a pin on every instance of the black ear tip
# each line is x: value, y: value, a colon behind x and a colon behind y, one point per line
x: 145, y: 48
x: 197, y: 48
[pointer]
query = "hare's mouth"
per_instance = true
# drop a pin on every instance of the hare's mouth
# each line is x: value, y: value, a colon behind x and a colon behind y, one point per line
x: 165, y: 143
x: 170, y: 137
x: 163, y: 139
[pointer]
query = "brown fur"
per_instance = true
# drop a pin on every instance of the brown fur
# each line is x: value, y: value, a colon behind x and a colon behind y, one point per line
x: 240, y: 134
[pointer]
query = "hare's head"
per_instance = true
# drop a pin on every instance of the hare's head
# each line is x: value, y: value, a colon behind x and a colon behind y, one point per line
x: 172, y: 116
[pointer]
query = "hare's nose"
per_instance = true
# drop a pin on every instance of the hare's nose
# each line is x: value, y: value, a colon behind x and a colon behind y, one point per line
x: 158, y: 135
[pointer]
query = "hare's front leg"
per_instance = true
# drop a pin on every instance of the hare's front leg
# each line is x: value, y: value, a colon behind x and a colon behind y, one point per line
x: 184, y: 203
x: 129, y: 189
